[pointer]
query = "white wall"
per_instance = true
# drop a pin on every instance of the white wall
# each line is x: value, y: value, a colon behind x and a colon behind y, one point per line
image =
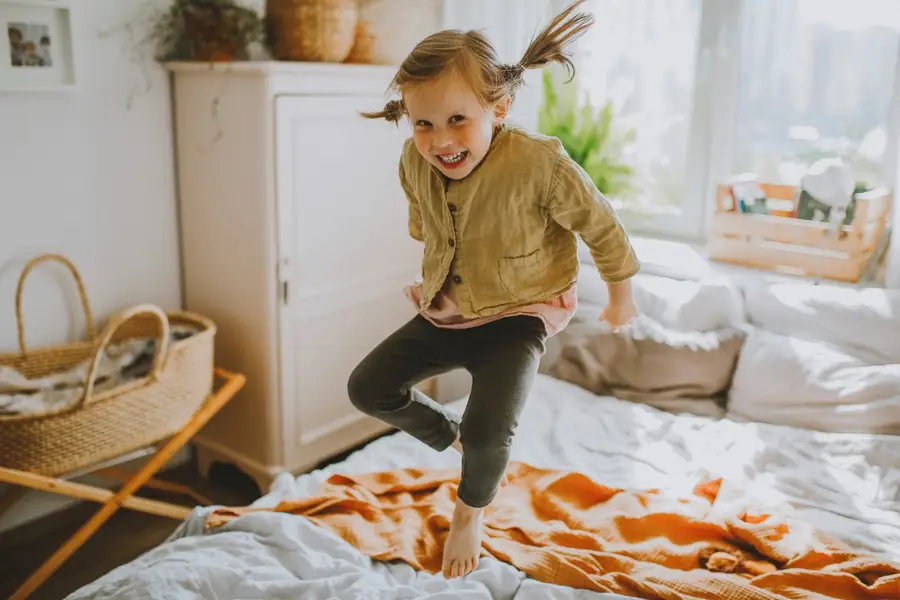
x: 88, y: 176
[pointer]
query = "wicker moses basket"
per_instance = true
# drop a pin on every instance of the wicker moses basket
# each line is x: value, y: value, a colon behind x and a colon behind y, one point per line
x: 102, y: 425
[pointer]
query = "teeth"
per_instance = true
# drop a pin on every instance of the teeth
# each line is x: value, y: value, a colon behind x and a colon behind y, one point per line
x: 452, y: 158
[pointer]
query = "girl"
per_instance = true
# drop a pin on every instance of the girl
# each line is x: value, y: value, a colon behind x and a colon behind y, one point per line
x: 497, y: 209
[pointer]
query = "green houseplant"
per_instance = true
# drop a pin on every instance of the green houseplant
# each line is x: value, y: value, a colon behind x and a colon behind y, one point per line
x: 590, y: 136
x: 207, y: 30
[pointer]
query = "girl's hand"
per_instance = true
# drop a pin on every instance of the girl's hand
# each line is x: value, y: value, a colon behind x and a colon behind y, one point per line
x: 619, y: 314
x: 621, y: 309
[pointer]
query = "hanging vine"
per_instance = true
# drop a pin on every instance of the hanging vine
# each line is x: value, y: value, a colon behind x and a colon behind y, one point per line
x: 214, y: 31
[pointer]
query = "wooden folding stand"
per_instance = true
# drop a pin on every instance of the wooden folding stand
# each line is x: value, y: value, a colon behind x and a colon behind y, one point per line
x: 112, y: 501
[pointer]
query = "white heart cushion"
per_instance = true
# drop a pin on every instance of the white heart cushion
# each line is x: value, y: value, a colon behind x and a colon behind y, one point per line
x: 814, y: 385
x: 867, y: 320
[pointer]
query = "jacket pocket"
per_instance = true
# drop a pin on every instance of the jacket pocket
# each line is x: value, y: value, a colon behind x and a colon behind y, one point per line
x: 523, y: 276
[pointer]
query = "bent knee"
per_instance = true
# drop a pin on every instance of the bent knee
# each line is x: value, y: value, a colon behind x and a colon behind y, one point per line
x: 486, y: 434
x: 359, y: 388
x: 370, y: 392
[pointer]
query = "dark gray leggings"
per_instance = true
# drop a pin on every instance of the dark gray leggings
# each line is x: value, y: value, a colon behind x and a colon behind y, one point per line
x: 502, y: 356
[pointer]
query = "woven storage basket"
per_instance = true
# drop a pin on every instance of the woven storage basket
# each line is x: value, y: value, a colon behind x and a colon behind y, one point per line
x: 388, y: 30
x: 312, y: 30
x: 104, y: 425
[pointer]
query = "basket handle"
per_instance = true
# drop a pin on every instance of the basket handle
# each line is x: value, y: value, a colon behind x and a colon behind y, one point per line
x: 159, y: 358
x: 88, y: 318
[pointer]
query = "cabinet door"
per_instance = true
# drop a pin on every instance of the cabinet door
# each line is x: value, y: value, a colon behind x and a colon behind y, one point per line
x: 346, y: 255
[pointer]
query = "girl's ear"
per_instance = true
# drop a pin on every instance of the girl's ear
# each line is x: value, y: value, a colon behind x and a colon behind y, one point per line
x: 501, y: 109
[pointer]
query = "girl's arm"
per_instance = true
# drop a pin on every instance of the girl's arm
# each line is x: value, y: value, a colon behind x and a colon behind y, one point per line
x: 620, y: 292
x: 415, y: 212
x: 577, y: 204
x: 621, y: 309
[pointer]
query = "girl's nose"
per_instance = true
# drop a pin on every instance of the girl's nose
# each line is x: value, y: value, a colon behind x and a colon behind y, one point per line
x: 442, y: 141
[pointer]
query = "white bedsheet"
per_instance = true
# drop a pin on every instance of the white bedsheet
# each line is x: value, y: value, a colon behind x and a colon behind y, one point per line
x: 848, y: 485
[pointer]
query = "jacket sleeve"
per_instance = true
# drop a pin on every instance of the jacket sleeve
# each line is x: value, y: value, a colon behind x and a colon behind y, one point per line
x: 576, y: 204
x: 415, y: 212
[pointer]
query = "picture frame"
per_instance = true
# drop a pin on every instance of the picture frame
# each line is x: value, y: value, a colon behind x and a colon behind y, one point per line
x: 38, y: 54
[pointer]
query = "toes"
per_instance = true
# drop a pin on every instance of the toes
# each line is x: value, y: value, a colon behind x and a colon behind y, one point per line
x: 450, y: 569
x: 458, y: 568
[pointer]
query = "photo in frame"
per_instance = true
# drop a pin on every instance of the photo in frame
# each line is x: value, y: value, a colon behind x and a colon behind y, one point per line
x: 37, y: 54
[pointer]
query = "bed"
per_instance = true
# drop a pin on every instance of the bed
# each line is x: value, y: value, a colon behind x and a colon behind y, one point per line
x: 845, y: 484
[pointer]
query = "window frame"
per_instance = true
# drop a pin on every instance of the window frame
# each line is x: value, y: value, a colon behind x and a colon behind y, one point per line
x: 713, y: 112
x: 713, y: 115
x: 713, y: 126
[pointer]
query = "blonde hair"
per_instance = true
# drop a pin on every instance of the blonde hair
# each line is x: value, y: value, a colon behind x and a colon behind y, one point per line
x: 473, y: 57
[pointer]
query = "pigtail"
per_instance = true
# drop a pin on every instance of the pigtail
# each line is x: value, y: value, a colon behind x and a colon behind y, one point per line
x: 472, y: 55
x: 392, y: 112
x: 511, y: 75
x: 550, y: 44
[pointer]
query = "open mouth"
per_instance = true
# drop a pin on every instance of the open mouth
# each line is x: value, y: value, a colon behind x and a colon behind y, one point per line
x: 453, y: 160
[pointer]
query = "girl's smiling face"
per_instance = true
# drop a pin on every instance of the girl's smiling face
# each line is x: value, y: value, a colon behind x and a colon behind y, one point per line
x: 451, y: 128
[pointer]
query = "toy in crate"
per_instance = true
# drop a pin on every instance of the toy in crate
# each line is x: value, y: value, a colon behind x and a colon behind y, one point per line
x: 827, y: 227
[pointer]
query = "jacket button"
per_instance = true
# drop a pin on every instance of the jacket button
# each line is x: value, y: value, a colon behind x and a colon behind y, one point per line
x: 452, y: 207
x: 451, y: 242
x: 457, y: 279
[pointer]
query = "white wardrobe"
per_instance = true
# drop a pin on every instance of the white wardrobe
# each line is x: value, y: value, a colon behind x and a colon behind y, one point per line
x: 294, y: 241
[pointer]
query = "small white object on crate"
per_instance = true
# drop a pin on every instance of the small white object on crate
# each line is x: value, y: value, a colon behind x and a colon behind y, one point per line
x: 830, y: 180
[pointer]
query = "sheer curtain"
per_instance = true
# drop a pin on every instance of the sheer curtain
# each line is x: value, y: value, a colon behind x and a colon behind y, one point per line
x: 892, y: 173
x: 510, y: 25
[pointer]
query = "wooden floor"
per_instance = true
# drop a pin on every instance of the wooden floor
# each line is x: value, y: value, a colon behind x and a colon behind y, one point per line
x: 123, y: 538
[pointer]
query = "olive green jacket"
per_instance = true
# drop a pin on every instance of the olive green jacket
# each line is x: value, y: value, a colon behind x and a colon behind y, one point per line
x: 505, y: 234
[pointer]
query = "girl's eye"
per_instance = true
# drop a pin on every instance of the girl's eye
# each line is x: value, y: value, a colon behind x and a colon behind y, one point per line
x: 457, y: 119
x: 422, y: 124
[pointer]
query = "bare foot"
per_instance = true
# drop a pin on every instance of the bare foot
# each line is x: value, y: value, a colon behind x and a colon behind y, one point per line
x: 463, y: 545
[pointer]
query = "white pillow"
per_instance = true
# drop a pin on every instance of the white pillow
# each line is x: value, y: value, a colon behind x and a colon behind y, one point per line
x: 682, y: 305
x: 867, y: 320
x: 814, y: 385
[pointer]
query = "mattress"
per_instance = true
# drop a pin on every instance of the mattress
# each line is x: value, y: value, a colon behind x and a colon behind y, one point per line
x: 847, y: 485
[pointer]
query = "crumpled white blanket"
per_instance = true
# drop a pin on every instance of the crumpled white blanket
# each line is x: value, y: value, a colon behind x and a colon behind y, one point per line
x: 846, y: 484
x: 120, y: 363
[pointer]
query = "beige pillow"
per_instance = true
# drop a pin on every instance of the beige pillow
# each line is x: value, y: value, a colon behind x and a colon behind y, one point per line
x: 677, y: 371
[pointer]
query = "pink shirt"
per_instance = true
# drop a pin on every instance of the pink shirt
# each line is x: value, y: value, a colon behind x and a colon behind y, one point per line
x: 443, y: 312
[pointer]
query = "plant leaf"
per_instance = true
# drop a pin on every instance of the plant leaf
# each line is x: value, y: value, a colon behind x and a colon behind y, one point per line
x: 591, y: 137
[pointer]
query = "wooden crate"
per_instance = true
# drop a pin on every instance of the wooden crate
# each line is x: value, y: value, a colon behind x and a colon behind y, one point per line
x: 796, y: 246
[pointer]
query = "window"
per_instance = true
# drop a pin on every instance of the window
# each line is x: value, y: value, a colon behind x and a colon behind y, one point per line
x: 713, y: 88
x: 816, y: 80
x: 641, y: 55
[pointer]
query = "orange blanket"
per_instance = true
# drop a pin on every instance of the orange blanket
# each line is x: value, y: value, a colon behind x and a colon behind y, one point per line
x: 563, y: 528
